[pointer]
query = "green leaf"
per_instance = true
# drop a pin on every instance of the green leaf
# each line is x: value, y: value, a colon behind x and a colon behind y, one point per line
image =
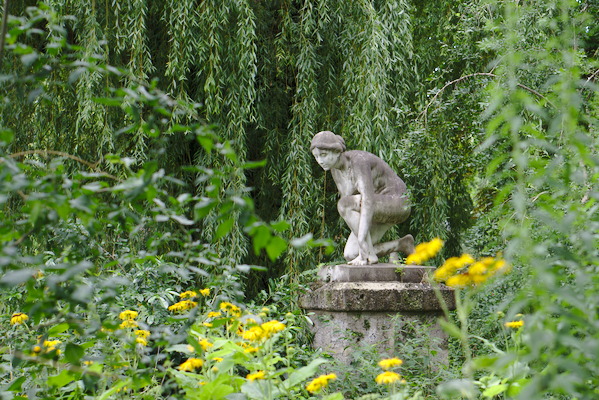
x: 254, y: 164
x: 260, y: 238
x: 280, y: 226
x: 118, y: 385
x: 300, y: 375
x: 6, y: 136
x: 224, y: 228
x: 516, y: 387
x: 64, y: 378
x: 13, y: 278
x: 16, y: 385
x: 334, y: 396
x: 450, y: 328
x: 302, y: 241
x: 275, y: 247
x: 495, y: 390
x: 58, y: 329
x: 73, y: 353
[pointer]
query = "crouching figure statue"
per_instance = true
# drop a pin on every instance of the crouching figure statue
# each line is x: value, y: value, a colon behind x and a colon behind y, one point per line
x: 373, y: 198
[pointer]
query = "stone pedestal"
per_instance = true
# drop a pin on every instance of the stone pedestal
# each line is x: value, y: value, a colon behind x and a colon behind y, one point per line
x: 356, y: 306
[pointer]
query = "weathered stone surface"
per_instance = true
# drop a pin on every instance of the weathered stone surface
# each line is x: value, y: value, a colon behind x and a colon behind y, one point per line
x: 341, y: 334
x: 375, y: 273
x: 376, y: 296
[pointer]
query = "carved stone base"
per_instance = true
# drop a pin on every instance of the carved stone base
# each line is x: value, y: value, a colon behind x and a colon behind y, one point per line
x: 367, y: 306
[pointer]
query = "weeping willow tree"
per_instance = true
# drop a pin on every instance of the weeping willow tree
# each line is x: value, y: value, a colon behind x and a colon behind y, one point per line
x: 267, y: 76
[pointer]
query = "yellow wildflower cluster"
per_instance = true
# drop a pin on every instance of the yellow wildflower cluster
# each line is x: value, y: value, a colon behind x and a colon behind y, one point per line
x: 191, y: 364
x: 142, y: 336
x: 205, y: 344
x: 387, y: 378
x: 514, y: 324
x: 129, y: 323
x: 466, y: 271
x: 188, y: 294
x: 18, y: 318
x: 205, y: 292
x: 257, y: 333
x: 319, y: 383
x: 47, y: 346
x: 256, y: 375
x: 389, y: 363
x: 128, y: 315
x: 183, y: 306
x: 230, y: 308
x: 425, y: 251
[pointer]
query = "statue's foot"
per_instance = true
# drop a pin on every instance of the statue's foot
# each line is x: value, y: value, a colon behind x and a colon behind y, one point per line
x: 406, y: 245
x: 372, y: 259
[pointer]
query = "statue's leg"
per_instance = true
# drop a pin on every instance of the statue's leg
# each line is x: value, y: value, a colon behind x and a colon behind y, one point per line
x: 352, y: 249
x: 404, y: 245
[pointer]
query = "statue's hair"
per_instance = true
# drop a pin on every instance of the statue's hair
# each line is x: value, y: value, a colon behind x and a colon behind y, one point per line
x: 327, y: 140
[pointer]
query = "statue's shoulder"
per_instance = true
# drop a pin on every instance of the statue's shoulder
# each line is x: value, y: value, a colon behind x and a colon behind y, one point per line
x: 359, y: 154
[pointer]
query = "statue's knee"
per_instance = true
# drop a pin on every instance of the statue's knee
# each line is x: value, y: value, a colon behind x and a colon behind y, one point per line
x: 350, y: 254
x: 345, y: 205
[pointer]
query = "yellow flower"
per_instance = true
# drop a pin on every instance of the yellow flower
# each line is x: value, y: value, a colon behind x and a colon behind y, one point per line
x: 253, y: 334
x: 218, y: 359
x: 387, y: 377
x: 272, y: 327
x: 128, y: 315
x: 207, y: 324
x: 142, y: 341
x: 88, y: 362
x: 425, y: 251
x: 205, y: 344
x: 205, y: 292
x: 50, y: 345
x: 230, y: 308
x: 458, y: 281
x: 36, y: 349
x: 478, y: 268
x: 255, y: 375
x: 265, y: 310
x: 389, y: 363
x: 18, y: 318
x: 188, y: 294
x: 514, y: 324
x: 183, y: 306
x: 191, y: 364
x: 319, y: 383
x: 128, y: 323
x: 251, y: 350
x: 214, y: 314
x: 142, y: 333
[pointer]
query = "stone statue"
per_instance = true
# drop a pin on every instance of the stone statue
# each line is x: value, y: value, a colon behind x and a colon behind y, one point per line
x: 373, y: 198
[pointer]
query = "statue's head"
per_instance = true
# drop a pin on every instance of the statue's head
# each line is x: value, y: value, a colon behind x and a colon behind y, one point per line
x: 327, y: 140
x: 327, y: 148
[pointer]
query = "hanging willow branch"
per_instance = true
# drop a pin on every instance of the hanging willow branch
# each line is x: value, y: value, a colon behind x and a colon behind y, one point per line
x: 46, y: 153
x: 3, y: 30
x: 424, y: 113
